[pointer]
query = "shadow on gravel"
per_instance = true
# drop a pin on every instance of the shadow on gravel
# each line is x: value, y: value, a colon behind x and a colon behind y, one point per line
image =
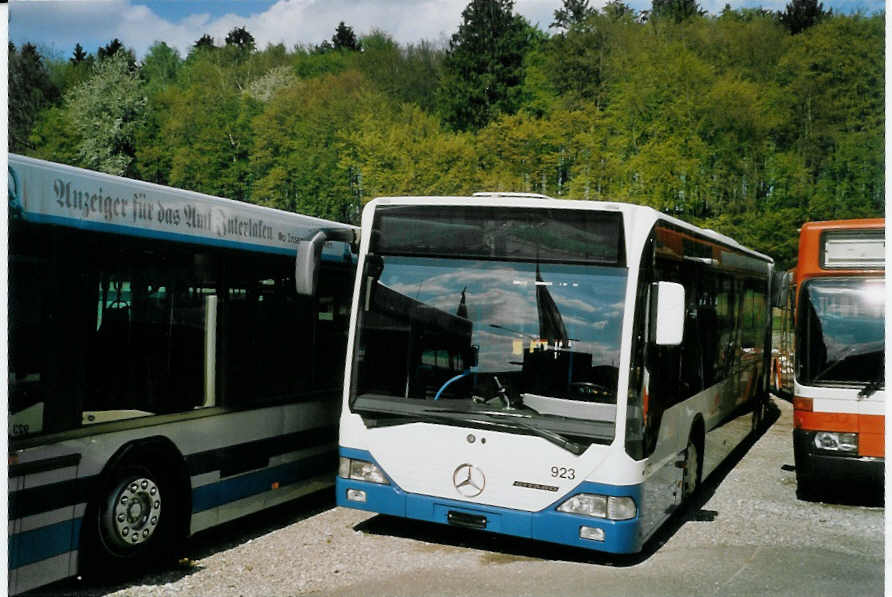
x: 182, y: 561
x: 513, y: 548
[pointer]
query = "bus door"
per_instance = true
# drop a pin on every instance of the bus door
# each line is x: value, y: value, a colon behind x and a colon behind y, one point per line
x: 44, y: 528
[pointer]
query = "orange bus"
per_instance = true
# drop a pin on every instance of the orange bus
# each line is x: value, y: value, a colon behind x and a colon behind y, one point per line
x: 838, y: 300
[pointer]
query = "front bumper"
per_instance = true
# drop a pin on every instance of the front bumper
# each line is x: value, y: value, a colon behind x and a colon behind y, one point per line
x: 620, y: 536
x: 823, y: 468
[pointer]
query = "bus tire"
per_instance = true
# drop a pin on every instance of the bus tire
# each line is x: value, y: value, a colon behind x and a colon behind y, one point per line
x: 130, y: 526
x: 692, y: 470
x: 758, y: 414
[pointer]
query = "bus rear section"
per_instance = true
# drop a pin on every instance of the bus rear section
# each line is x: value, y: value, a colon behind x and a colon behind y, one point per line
x: 839, y: 392
x: 510, y: 366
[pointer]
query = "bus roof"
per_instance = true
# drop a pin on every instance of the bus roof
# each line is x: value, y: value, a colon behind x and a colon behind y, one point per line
x: 47, y: 192
x: 643, y: 216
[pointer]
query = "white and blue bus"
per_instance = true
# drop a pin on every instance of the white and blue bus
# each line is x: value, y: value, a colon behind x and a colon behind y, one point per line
x: 164, y: 374
x: 566, y: 371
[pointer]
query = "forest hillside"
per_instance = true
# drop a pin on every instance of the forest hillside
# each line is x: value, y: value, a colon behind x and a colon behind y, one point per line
x: 748, y: 122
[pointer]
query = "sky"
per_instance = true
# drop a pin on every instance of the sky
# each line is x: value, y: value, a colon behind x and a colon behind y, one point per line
x: 56, y: 26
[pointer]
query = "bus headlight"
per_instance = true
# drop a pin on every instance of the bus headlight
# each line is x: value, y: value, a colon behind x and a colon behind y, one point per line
x: 621, y: 508
x: 361, y: 470
x: 836, y: 442
x: 610, y: 507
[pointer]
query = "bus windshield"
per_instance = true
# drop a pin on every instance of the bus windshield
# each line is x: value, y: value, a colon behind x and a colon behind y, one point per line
x: 841, y: 331
x: 502, y: 338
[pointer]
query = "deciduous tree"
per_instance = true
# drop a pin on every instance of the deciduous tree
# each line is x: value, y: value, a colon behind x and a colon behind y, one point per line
x: 106, y: 111
x: 241, y: 39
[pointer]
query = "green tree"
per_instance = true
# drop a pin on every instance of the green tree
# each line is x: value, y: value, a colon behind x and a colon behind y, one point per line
x: 30, y: 91
x: 299, y: 139
x: 106, y: 110
x: 114, y: 48
x: 79, y: 55
x: 160, y: 66
x: 675, y: 10
x: 205, y: 42
x: 54, y: 137
x: 483, y: 68
x: 345, y: 39
x: 578, y: 62
x: 799, y: 15
x: 405, y: 151
x: 410, y: 74
x: 573, y: 12
x: 241, y: 39
x: 204, y: 127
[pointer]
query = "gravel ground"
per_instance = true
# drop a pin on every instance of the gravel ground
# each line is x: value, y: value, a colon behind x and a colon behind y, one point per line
x: 746, y: 535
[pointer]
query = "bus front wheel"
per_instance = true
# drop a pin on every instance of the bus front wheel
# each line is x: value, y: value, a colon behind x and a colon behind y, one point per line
x: 690, y: 479
x: 130, y: 523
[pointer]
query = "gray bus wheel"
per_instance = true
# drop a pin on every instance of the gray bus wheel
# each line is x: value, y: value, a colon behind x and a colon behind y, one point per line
x: 130, y: 524
x: 690, y: 478
x: 132, y: 512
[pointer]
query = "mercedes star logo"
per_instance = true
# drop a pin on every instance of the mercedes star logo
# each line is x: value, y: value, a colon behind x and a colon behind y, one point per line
x: 469, y: 480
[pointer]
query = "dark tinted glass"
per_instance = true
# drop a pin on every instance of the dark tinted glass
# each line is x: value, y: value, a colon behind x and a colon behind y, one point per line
x: 503, y: 233
x: 841, y: 330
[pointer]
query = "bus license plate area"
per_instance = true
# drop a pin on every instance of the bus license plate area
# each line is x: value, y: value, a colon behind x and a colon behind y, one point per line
x: 466, y: 520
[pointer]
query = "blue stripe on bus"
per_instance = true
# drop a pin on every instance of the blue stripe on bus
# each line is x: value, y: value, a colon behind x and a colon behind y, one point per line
x: 229, y: 490
x: 621, y: 536
x: 45, y: 542
x: 170, y: 236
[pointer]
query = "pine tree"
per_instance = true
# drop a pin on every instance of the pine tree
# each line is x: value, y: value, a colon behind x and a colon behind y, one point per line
x: 79, y: 55
x: 30, y: 91
x: 345, y: 39
x: 799, y: 15
x: 483, y: 68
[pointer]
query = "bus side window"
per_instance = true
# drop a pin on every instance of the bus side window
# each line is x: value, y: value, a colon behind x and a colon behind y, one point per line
x: 149, y: 353
x: 26, y: 352
x: 266, y: 333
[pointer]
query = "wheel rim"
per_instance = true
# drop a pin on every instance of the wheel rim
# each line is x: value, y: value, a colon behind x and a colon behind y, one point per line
x: 135, y: 512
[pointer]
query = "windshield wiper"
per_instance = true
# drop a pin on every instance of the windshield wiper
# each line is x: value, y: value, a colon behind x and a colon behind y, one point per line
x: 514, y: 422
x: 871, y: 388
x: 555, y: 438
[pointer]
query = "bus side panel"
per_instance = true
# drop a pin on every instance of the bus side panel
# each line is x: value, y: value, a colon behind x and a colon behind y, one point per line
x: 257, y: 467
x: 46, y: 503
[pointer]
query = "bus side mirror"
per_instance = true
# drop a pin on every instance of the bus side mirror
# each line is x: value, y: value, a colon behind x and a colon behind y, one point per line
x: 309, y: 255
x: 306, y: 267
x: 669, y: 310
